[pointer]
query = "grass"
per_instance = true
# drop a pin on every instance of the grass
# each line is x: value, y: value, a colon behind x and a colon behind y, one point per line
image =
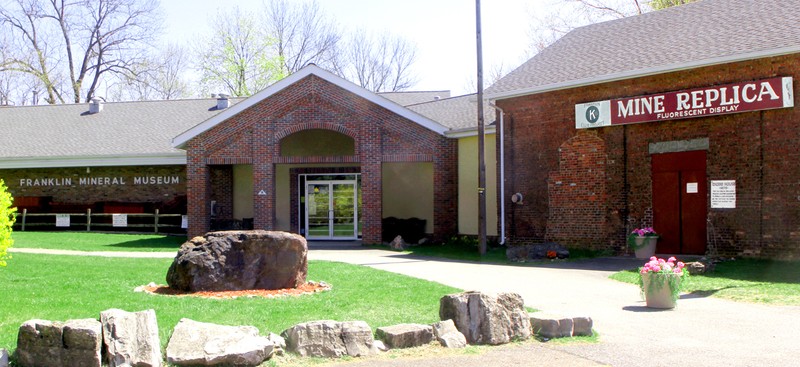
x: 89, y: 241
x: 745, y: 280
x: 69, y: 287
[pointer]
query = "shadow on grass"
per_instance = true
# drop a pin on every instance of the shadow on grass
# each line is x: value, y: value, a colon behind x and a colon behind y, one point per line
x: 753, y: 270
x: 171, y: 243
x: 705, y: 293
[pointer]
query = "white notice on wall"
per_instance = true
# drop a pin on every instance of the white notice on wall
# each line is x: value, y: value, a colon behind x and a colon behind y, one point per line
x: 723, y: 194
x: 691, y: 187
x: 120, y: 220
x: 62, y: 220
x: 184, y: 221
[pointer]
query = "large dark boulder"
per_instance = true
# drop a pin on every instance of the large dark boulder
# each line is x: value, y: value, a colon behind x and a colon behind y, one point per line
x: 240, y: 260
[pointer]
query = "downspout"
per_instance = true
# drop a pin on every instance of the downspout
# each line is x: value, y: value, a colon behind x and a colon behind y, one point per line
x: 502, y: 179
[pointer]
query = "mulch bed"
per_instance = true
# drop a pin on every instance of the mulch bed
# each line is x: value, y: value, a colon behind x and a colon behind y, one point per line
x: 308, y: 288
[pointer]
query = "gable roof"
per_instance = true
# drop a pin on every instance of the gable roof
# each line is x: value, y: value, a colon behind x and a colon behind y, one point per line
x: 311, y: 69
x: 123, y: 133
x: 408, y: 98
x: 457, y: 113
x: 703, y: 33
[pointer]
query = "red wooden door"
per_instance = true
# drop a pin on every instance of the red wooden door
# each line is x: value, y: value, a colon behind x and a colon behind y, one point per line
x: 680, y: 202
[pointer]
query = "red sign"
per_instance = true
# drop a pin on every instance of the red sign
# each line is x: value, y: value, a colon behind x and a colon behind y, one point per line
x: 716, y: 100
x: 731, y: 98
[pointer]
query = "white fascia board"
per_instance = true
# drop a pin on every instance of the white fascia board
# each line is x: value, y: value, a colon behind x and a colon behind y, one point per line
x: 181, y: 140
x: 470, y: 131
x: 94, y: 161
x: 644, y: 72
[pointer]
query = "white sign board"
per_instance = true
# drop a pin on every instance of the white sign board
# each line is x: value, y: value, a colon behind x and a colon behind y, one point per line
x: 62, y: 220
x: 691, y: 187
x: 120, y: 220
x: 723, y: 194
x: 184, y: 221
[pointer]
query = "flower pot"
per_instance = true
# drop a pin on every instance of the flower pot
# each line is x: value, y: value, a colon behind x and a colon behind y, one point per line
x: 645, y: 246
x: 658, y: 289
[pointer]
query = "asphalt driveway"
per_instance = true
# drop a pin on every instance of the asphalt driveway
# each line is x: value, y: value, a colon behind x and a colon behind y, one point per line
x: 702, y: 331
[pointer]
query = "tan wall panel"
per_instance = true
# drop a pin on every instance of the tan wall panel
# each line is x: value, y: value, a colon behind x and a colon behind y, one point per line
x: 408, y: 191
x: 242, y: 191
x: 468, y: 185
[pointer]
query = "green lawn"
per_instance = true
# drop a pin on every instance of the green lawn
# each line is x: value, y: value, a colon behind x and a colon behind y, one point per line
x: 68, y: 287
x: 89, y: 241
x: 744, y: 280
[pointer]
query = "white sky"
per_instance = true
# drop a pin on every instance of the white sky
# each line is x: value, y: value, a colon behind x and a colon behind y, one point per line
x: 443, y: 30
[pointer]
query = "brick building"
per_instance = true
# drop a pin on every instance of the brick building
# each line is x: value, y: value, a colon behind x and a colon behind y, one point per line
x: 312, y: 154
x: 322, y: 156
x: 682, y: 119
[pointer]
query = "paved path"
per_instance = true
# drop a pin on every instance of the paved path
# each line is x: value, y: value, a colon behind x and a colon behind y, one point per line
x: 702, y: 331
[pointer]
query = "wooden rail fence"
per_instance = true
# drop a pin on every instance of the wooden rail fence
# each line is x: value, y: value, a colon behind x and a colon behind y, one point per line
x: 160, y: 223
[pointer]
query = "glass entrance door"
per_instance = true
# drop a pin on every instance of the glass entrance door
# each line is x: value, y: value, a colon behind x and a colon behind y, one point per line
x: 331, y: 210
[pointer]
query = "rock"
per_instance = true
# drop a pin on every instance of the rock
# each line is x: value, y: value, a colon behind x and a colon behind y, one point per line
x: 695, y: 268
x: 405, y: 335
x: 196, y: 343
x: 131, y: 338
x: 484, y: 319
x: 536, y: 252
x: 398, y: 244
x: 83, y: 342
x: 380, y: 346
x: 240, y: 260
x: 448, y: 336
x: 545, y: 327
x: 278, y: 344
x: 582, y: 326
x: 39, y: 343
x: 549, y: 326
x: 330, y: 339
x: 3, y: 358
x: 72, y: 343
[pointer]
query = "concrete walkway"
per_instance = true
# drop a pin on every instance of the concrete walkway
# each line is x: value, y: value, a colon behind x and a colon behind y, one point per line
x: 700, y: 331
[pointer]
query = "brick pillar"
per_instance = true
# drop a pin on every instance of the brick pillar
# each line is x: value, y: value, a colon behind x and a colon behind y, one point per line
x: 198, y: 191
x: 371, y: 201
x: 263, y: 177
x: 445, y: 189
x: 371, y: 154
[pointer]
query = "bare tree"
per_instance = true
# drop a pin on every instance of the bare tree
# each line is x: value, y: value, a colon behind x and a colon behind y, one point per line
x: 161, y: 77
x: 380, y: 63
x: 301, y: 33
x: 549, y: 27
x: 663, y: 4
x: 71, y: 47
x: 237, y: 56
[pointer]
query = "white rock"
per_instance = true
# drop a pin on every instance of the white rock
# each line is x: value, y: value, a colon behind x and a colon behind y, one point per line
x: 199, y: 343
x: 131, y: 338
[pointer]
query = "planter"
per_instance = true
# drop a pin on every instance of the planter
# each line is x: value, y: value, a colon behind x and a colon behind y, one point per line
x: 644, y: 246
x: 660, y: 289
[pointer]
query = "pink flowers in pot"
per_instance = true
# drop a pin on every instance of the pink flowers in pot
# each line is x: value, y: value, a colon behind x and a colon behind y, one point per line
x: 657, y: 265
x: 647, y: 231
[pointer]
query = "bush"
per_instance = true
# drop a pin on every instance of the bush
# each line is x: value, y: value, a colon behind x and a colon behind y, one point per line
x: 6, y: 222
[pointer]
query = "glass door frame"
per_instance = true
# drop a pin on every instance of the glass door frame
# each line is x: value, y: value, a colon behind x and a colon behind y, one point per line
x: 325, y: 179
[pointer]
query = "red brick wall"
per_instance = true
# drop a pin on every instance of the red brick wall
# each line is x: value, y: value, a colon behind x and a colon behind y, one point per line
x: 313, y: 103
x: 757, y: 149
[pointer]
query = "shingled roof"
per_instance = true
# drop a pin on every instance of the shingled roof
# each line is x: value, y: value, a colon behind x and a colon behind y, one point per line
x: 124, y: 133
x: 703, y: 33
x: 457, y: 113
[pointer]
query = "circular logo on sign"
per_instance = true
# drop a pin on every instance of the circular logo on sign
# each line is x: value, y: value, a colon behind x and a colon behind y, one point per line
x: 592, y: 114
